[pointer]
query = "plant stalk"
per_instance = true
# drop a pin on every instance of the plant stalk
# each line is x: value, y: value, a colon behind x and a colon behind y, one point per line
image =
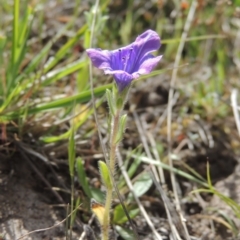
x: 112, y: 160
x: 72, y: 204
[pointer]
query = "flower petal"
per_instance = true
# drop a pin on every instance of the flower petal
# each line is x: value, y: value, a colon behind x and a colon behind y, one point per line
x: 122, y: 79
x: 148, y: 64
x: 145, y: 43
x: 118, y: 58
x: 127, y: 63
x: 149, y: 41
x: 100, y: 58
x: 129, y: 58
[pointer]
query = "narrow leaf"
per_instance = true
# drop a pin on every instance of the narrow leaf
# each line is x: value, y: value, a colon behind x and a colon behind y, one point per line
x: 125, y: 233
x: 142, y: 185
x: 105, y: 174
x: 111, y: 102
x: 71, y: 153
x: 119, y: 216
x: 121, y: 129
x: 82, y: 177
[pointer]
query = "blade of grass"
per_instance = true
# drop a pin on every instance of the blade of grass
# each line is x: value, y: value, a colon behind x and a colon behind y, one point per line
x: 71, y: 163
x: 60, y: 103
x: 65, y: 48
x: 78, y: 124
x: 19, y: 43
x: 50, y: 77
x: 82, y: 177
x: 15, y: 32
x: 44, y: 52
x: 173, y: 169
x: 54, y: 76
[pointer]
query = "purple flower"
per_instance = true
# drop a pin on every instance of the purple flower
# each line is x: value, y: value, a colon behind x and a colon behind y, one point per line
x: 128, y: 63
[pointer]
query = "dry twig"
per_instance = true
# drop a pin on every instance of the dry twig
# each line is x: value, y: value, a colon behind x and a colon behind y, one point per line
x: 170, y: 97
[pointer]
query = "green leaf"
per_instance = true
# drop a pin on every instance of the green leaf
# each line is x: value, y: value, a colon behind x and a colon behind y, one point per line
x: 119, y: 216
x: 121, y: 129
x: 78, y: 123
x: 55, y: 75
x: 21, y: 29
x: 60, y: 103
x: 71, y: 153
x: 125, y: 233
x: 111, y: 102
x: 97, y: 194
x: 133, y: 167
x: 208, y: 176
x: 175, y: 170
x: 82, y: 78
x: 137, y: 161
x: 105, y: 174
x: 74, y: 213
x: 64, y: 49
x: 15, y: 34
x: 82, y: 177
x: 142, y: 185
x: 44, y: 52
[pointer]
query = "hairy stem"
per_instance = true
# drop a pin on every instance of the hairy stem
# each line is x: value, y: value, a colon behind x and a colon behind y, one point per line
x: 113, y: 144
x: 112, y: 158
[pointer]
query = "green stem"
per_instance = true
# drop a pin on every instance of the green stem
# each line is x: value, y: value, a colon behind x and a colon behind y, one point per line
x: 113, y: 144
x: 112, y: 158
x: 72, y: 203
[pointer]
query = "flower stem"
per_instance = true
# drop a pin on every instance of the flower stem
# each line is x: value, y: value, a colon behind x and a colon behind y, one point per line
x: 112, y: 158
x: 113, y: 143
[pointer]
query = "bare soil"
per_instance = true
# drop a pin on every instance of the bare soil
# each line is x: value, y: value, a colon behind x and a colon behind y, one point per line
x: 25, y: 204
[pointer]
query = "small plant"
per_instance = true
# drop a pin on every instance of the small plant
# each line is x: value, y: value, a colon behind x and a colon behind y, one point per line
x: 227, y: 200
x: 125, y: 64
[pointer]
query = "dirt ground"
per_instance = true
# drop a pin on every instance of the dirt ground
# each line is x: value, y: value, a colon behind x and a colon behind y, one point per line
x: 25, y: 205
x: 28, y: 203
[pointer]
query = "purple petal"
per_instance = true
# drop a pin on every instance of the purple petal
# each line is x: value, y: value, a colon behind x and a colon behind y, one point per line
x: 100, y: 58
x: 127, y: 63
x: 130, y: 57
x: 119, y: 58
x: 149, y: 41
x: 148, y: 65
x: 145, y: 43
x: 123, y: 79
